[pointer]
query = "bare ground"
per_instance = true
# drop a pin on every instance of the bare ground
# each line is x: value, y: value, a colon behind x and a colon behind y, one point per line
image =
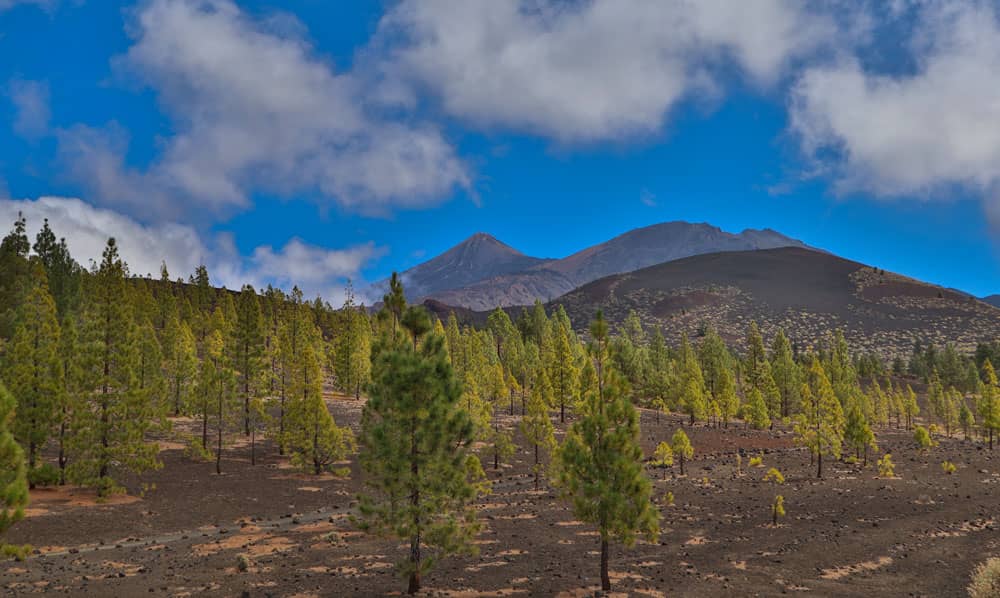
x: 850, y: 534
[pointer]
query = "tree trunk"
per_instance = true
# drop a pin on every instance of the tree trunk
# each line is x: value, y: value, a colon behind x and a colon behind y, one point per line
x: 605, y: 579
x: 562, y: 412
x: 819, y: 471
x: 682, y: 463
x: 536, y: 467
x: 414, y: 585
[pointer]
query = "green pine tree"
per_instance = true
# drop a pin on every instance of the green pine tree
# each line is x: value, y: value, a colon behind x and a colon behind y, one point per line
x: 13, y: 470
x: 756, y: 410
x: 989, y: 402
x: 682, y: 448
x: 421, y: 476
x: 785, y: 373
x: 313, y: 439
x: 536, y: 425
x: 248, y: 350
x: 600, y: 461
x: 820, y: 425
x: 109, y: 428
x: 34, y: 370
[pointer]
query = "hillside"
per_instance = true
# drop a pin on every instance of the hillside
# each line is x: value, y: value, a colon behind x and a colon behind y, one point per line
x: 805, y: 292
x: 635, y: 249
x: 992, y: 300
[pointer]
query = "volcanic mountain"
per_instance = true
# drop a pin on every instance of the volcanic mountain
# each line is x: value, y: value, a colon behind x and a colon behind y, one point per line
x: 482, y: 273
x: 806, y: 292
x: 992, y: 300
x: 479, y: 257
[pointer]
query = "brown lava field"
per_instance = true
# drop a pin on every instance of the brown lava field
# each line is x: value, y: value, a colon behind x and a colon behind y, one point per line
x: 850, y: 534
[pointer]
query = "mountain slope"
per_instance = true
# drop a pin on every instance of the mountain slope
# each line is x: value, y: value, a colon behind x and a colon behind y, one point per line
x: 806, y: 292
x: 993, y: 300
x: 479, y: 257
x: 635, y: 249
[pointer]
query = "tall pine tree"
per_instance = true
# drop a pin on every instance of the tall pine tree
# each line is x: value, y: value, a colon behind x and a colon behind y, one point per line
x: 420, y: 473
x: 600, y: 461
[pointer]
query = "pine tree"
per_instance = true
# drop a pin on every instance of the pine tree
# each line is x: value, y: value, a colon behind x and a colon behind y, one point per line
x: 63, y: 272
x: 70, y: 399
x: 663, y: 457
x: 756, y: 410
x: 563, y: 373
x: 910, y: 407
x: 248, y: 349
x: 296, y: 321
x: 728, y: 401
x: 692, y: 384
x: 682, y: 448
x: 820, y: 425
x: 858, y: 434
x: 13, y: 471
x: 394, y: 303
x: 352, y: 362
x: 150, y: 380
x: 313, y: 439
x: 421, y: 476
x: 600, y: 461
x: 109, y: 430
x: 536, y: 425
x: 950, y: 410
x: 989, y: 402
x: 220, y: 400
x: 181, y: 362
x: 14, y: 274
x: 785, y: 373
x: 966, y: 419
x: 34, y: 370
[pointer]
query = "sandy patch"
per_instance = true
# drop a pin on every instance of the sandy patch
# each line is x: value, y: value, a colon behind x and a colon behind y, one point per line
x: 847, y: 570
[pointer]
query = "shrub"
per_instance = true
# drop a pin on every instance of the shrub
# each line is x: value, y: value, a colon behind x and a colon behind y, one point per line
x: 18, y: 552
x: 773, y: 475
x: 948, y: 467
x: 922, y: 437
x: 663, y: 457
x: 756, y: 462
x: 669, y: 497
x: 886, y: 468
x: 44, y: 475
x: 986, y: 580
x: 777, y: 509
x: 243, y: 563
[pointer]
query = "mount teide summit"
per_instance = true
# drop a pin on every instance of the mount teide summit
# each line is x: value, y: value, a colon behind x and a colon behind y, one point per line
x: 482, y: 273
x: 479, y: 257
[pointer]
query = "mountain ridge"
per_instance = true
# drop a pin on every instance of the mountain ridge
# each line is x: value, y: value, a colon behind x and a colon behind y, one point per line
x: 545, y: 279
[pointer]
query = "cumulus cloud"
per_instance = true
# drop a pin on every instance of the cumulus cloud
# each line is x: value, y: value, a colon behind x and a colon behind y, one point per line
x: 916, y: 134
x: 316, y: 270
x: 255, y: 108
x: 589, y: 71
x: 31, y: 100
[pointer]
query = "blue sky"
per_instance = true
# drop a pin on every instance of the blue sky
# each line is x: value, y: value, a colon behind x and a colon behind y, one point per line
x: 307, y: 141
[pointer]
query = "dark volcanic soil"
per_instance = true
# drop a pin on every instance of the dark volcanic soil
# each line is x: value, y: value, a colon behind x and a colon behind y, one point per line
x: 850, y: 534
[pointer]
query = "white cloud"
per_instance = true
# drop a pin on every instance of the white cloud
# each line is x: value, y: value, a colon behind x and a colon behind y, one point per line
x: 254, y: 108
x: 921, y: 133
x: 31, y: 100
x: 316, y: 270
x: 589, y: 71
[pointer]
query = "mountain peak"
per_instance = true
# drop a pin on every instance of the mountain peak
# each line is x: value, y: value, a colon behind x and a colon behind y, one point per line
x: 480, y: 239
x: 479, y: 257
